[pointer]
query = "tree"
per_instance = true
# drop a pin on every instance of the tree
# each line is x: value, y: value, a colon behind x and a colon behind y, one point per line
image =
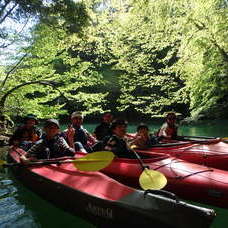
x: 18, y: 16
x: 202, y: 30
x: 151, y: 50
x: 145, y: 57
x: 204, y: 58
x: 173, y: 54
x: 49, y: 61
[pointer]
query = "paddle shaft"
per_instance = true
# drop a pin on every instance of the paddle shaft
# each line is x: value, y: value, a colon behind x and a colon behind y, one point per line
x: 198, y: 137
x: 148, y: 176
x: 139, y: 159
x: 205, y: 137
x: 50, y: 162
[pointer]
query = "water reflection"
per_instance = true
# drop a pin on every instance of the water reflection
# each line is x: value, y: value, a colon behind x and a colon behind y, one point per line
x: 12, y: 212
x: 21, y: 208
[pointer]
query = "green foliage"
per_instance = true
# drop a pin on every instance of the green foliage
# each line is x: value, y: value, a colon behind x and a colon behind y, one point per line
x: 204, y: 56
x: 145, y: 56
x: 70, y: 15
x: 173, y: 53
x: 50, y: 59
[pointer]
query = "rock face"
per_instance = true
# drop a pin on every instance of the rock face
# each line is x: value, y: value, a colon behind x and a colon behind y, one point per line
x: 4, y: 140
x: 3, y: 152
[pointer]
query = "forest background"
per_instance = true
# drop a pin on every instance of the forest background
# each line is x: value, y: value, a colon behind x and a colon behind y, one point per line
x: 139, y: 59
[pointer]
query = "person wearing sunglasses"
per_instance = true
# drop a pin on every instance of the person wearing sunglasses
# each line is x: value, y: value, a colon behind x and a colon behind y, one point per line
x: 103, y: 129
x: 169, y: 128
x: 83, y: 140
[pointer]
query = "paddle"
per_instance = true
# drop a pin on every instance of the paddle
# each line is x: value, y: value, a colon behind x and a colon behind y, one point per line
x: 90, y: 162
x: 150, y: 179
x: 207, y: 138
x: 225, y: 139
x: 198, y: 137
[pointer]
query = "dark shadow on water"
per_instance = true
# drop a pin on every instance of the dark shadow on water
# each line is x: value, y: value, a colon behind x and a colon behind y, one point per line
x: 221, y: 219
x: 19, y: 207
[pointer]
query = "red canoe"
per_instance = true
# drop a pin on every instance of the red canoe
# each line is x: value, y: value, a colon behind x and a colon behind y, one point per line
x: 206, y: 152
x: 187, y: 180
x: 104, y: 201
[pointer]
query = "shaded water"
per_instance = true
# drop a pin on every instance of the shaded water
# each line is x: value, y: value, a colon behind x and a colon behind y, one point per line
x: 19, y: 207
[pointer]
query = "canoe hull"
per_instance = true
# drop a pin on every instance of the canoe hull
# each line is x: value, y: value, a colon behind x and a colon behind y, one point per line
x: 105, y: 202
x: 187, y: 180
x: 205, y: 153
x: 95, y: 210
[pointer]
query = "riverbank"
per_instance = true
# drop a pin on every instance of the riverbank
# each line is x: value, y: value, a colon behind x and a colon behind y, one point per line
x: 4, y: 140
x: 3, y: 152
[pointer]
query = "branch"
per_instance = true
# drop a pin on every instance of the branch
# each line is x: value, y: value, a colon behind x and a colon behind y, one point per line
x: 13, y: 68
x: 18, y: 33
x: 200, y: 26
x: 221, y: 50
x: 8, y: 13
x: 4, y: 7
x: 48, y: 83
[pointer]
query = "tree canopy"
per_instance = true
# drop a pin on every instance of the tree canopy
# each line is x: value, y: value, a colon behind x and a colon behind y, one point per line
x: 143, y: 57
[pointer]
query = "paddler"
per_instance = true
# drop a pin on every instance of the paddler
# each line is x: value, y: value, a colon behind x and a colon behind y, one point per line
x: 52, y: 144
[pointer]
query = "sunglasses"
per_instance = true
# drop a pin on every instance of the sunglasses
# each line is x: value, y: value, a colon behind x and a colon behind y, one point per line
x: 77, y: 118
x: 51, y: 127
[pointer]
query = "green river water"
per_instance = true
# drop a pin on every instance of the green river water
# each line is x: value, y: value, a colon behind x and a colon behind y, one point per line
x: 21, y: 208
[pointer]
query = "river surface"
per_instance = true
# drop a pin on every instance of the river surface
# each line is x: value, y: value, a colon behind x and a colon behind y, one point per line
x: 21, y: 208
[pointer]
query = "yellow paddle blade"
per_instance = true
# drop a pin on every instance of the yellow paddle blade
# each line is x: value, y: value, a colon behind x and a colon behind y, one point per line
x: 2, y: 162
x: 151, y: 179
x: 94, y: 161
x: 225, y: 139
